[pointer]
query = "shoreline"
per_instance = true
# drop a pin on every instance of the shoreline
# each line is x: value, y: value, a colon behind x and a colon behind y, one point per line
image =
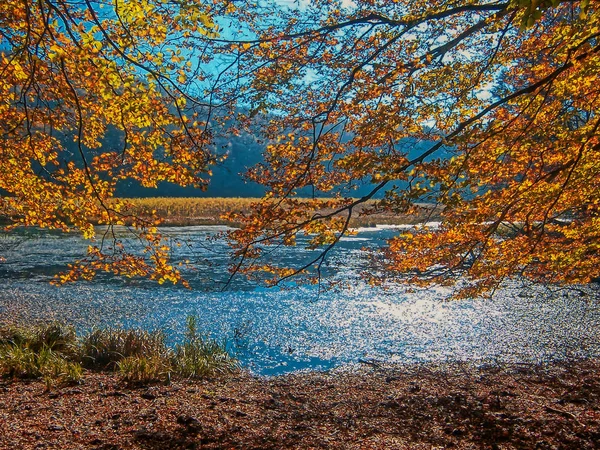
x: 399, y: 406
x: 192, y: 211
x: 209, y: 211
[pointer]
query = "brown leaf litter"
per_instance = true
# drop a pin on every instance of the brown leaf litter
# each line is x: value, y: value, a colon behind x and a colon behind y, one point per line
x: 397, y: 407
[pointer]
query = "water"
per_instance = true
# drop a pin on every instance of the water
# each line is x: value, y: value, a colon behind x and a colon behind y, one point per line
x: 275, y: 331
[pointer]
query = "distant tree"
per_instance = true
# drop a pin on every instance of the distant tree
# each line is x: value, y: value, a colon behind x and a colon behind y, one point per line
x: 503, y: 97
x: 70, y: 71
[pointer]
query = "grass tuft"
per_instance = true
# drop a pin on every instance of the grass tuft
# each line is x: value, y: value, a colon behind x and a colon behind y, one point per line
x: 201, y: 356
x: 145, y: 369
x: 104, y: 348
x: 24, y: 362
x: 53, y: 353
x: 55, y: 336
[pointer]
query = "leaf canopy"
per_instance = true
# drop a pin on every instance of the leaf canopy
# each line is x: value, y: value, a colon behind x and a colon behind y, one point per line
x: 69, y: 72
x: 488, y: 109
x: 502, y: 100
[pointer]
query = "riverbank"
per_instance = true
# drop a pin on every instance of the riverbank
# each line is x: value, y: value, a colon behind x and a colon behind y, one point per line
x: 373, y: 407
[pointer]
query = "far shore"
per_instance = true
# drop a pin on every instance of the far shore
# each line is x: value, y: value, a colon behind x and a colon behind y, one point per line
x: 193, y: 211
x: 197, y: 211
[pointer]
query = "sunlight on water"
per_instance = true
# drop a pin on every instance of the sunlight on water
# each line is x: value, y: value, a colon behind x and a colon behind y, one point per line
x: 277, y: 331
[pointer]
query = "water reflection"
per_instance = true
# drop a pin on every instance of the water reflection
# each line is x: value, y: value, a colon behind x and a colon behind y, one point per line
x: 277, y: 331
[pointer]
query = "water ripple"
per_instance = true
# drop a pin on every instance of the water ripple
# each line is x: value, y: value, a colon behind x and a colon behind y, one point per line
x: 277, y: 331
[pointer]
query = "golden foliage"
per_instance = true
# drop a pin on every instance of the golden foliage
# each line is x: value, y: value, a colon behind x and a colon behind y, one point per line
x: 70, y: 71
x: 488, y: 109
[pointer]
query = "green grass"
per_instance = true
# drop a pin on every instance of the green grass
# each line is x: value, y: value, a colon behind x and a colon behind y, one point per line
x: 23, y: 362
x: 45, y: 350
x: 104, y: 348
x: 201, y: 356
x: 145, y: 369
x: 51, y: 335
x: 53, y: 352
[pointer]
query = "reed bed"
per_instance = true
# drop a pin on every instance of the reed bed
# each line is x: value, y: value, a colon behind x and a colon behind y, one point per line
x: 180, y: 211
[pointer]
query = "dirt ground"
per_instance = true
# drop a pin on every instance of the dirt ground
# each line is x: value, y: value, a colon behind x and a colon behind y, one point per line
x: 374, y: 407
